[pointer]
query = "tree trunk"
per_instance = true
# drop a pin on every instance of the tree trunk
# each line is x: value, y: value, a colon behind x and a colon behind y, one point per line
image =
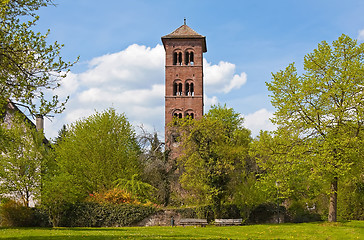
x: 333, y: 201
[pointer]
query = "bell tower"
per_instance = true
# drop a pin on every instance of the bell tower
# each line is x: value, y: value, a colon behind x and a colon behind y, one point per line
x: 183, y: 75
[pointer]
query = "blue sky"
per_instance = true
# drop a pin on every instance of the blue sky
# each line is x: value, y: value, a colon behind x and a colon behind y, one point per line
x: 122, y: 63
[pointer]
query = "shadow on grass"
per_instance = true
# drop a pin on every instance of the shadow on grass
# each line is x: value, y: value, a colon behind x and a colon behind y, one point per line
x: 108, y: 237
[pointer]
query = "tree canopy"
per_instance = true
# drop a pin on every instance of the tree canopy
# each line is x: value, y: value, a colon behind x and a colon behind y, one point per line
x: 98, y: 150
x: 321, y: 111
x: 212, y: 148
x: 29, y: 66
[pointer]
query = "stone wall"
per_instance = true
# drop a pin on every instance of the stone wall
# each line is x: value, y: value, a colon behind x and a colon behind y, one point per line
x: 160, y: 218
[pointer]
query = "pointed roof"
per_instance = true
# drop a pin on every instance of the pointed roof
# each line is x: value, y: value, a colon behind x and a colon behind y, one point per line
x: 186, y: 32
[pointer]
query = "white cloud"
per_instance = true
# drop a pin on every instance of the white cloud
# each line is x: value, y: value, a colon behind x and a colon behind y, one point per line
x: 222, y: 78
x: 69, y: 85
x: 134, y: 67
x: 132, y: 82
x: 361, y: 35
x: 208, y: 102
x: 259, y: 120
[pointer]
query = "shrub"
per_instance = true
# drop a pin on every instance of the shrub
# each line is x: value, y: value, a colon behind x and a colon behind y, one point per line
x: 91, y: 214
x: 14, y: 214
x: 298, y: 213
x: 113, y: 196
x: 265, y: 212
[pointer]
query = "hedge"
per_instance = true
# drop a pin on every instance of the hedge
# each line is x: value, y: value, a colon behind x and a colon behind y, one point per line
x: 88, y: 214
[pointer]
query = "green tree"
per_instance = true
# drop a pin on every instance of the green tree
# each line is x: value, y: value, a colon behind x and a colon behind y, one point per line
x: 22, y: 161
x: 98, y: 150
x: 212, y: 148
x: 158, y: 168
x: 284, y: 166
x: 323, y: 108
x: 29, y: 66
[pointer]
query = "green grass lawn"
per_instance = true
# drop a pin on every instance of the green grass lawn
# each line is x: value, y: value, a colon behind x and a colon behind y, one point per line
x: 346, y: 230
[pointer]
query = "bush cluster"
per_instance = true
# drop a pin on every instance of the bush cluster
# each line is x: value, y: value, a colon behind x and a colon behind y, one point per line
x: 90, y: 214
x: 83, y: 214
x: 13, y: 214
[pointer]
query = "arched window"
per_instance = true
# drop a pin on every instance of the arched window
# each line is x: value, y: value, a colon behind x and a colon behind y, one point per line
x: 179, y: 89
x: 175, y: 58
x: 177, y: 114
x: 179, y: 58
x: 192, y: 93
x: 187, y: 89
x: 174, y: 89
x: 189, y: 114
x: 189, y: 57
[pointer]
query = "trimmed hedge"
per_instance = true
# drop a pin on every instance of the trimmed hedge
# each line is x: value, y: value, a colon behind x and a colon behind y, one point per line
x: 88, y: 214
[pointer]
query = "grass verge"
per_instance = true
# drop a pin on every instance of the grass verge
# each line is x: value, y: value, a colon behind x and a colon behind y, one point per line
x: 343, y: 230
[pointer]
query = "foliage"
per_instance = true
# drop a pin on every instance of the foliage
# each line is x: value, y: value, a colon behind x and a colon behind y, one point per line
x: 138, y: 189
x: 22, y: 161
x: 322, y: 111
x: 88, y: 214
x: 298, y: 213
x: 58, y: 193
x: 29, y: 66
x: 97, y: 151
x: 213, y: 147
x: 113, y: 196
x: 159, y: 169
x: 284, y: 166
x: 266, y: 212
x: 351, y: 199
x: 14, y: 214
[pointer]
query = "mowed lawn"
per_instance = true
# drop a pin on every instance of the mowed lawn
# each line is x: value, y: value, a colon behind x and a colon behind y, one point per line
x: 346, y: 230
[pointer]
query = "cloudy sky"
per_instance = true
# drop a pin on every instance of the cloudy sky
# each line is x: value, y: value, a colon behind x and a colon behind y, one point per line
x: 122, y: 58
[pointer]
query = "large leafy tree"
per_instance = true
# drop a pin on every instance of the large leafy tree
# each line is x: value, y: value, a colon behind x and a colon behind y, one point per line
x: 29, y: 66
x: 212, y: 149
x: 323, y: 110
x: 98, y: 150
x: 22, y: 161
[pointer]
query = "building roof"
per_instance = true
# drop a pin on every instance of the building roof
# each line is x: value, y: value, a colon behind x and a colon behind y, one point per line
x: 185, y: 32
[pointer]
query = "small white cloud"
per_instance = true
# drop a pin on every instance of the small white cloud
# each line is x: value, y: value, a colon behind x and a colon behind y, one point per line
x: 361, y: 35
x: 78, y: 113
x: 259, y: 120
x: 236, y: 82
x: 222, y: 77
x: 208, y: 102
x: 69, y: 85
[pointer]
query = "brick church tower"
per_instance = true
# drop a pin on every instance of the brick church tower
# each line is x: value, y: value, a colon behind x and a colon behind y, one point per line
x: 183, y: 76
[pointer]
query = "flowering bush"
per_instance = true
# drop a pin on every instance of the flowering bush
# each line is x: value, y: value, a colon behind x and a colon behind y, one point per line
x: 114, y: 195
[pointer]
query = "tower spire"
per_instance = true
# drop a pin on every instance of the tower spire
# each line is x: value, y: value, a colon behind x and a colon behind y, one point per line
x: 184, y: 21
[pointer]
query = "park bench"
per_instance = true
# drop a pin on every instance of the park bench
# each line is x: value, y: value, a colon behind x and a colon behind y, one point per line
x: 193, y: 222
x: 228, y: 222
